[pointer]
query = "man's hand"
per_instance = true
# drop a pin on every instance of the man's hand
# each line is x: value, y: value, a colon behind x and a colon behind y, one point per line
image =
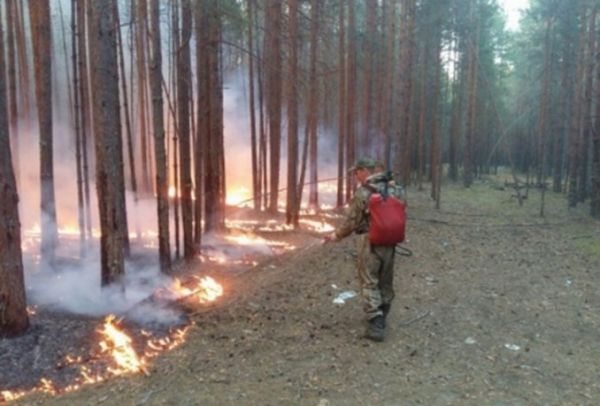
x: 331, y: 237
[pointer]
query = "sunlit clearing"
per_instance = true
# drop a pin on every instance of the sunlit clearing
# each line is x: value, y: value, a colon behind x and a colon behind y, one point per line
x: 246, y: 240
x: 239, y: 196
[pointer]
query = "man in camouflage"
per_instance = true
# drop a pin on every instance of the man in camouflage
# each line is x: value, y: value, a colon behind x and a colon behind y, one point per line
x: 375, y: 263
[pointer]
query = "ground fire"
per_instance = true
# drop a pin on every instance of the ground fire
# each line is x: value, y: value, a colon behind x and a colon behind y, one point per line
x: 115, y: 353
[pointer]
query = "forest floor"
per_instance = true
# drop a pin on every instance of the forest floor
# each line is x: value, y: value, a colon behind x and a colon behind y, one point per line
x: 496, y: 306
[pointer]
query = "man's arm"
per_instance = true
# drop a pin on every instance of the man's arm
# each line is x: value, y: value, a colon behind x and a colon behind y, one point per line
x: 353, y: 219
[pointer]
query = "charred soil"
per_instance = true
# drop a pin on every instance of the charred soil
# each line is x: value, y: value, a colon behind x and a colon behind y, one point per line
x: 495, y: 306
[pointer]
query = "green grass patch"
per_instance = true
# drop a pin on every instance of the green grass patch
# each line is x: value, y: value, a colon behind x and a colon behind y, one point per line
x: 589, y: 244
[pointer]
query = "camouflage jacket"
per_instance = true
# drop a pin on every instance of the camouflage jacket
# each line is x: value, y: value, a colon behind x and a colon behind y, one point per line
x: 357, y: 217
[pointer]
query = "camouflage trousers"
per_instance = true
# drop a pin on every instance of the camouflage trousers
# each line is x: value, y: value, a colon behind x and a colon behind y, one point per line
x: 375, y: 275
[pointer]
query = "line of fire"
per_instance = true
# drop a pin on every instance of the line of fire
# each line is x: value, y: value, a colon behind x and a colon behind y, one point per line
x: 151, y: 150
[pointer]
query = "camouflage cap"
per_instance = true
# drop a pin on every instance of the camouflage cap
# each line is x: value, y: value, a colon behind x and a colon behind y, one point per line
x: 362, y: 163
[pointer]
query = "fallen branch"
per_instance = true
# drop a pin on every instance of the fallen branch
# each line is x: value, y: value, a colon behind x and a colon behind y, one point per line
x: 415, y: 319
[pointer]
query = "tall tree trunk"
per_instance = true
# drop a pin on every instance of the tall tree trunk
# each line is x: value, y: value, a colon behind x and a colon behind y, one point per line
x: 162, y: 180
x: 351, y: 95
x: 184, y: 83
x: 67, y: 67
x: 595, y: 189
x: 86, y: 115
x: 313, y: 102
x: 588, y: 119
x: 110, y: 182
x: 435, y: 156
x: 252, y: 108
x: 407, y: 24
x: 273, y: 94
x: 456, y: 124
x: 341, y: 106
x: 423, y: 110
x: 76, y: 36
x: 175, y: 139
x: 22, y: 58
x: 12, y: 87
x: 542, y: 118
x: 216, y: 40
x: 576, y: 113
x: 126, y: 113
x: 262, y: 136
x: 472, y: 99
x: 141, y: 22
x: 214, y: 154
x: 303, y: 160
x: 370, y: 51
x: 291, y: 216
x: 13, y: 304
x: 202, y: 120
x: 39, y: 11
x: 387, y: 90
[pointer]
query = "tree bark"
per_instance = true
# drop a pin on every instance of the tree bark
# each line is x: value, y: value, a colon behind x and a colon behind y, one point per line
x: 214, y: 151
x: 202, y: 119
x: 76, y: 36
x: 291, y: 216
x: 273, y: 94
x: 402, y: 160
x: 341, y: 106
x: 595, y: 188
x: 86, y: 115
x: 313, y: 102
x: 39, y: 11
x: 162, y: 181
x: 351, y: 95
x: 388, y: 86
x: 141, y: 17
x: 457, y: 105
x: 175, y: 139
x: 473, y: 50
x: 107, y: 134
x: 22, y: 59
x: 370, y: 53
x: 588, y: 119
x: 12, y: 87
x: 423, y: 110
x: 435, y: 160
x: 126, y: 113
x: 252, y: 108
x: 576, y: 114
x: 184, y: 77
x: 13, y: 304
x: 542, y: 118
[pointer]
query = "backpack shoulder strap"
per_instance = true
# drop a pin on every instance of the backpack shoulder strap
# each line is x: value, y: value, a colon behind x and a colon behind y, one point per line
x: 370, y: 188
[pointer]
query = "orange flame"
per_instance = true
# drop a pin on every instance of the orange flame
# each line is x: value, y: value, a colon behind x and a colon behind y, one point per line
x: 118, y: 345
x: 318, y: 226
x: 205, y: 290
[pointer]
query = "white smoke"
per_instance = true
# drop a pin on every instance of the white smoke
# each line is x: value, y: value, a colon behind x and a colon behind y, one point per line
x: 76, y: 289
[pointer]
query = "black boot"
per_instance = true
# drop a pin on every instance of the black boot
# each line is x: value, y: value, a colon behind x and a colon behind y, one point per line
x: 385, y: 308
x: 376, y: 329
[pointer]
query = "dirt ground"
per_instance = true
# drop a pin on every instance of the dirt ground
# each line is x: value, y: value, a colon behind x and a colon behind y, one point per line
x: 496, y: 306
